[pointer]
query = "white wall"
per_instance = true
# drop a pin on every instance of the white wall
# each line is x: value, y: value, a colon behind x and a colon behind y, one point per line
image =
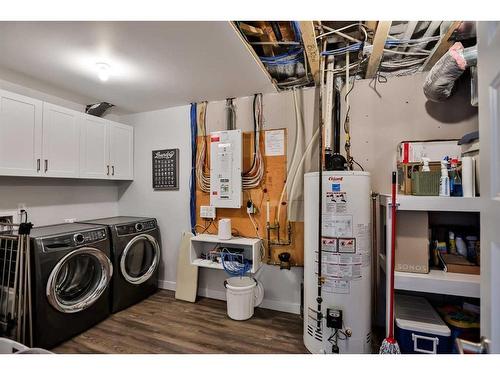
x: 51, y: 200
x: 168, y: 128
x: 388, y: 113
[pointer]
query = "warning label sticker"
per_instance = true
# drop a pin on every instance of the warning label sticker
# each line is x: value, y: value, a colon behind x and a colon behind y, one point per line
x: 336, y: 202
x: 329, y: 244
x: 347, y: 245
x: 337, y: 286
x: 341, y: 266
x: 337, y: 226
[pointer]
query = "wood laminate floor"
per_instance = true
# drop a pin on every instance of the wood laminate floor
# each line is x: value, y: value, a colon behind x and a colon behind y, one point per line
x: 162, y: 324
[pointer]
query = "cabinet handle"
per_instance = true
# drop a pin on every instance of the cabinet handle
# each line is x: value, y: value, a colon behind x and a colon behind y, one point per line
x: 108, y: 170
x: 38, y: 165
x: 46, y: 165
x: 113, y: 169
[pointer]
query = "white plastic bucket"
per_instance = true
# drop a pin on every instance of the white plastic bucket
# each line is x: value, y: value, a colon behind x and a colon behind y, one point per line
x: 243, y: 294
x: 10, y: 347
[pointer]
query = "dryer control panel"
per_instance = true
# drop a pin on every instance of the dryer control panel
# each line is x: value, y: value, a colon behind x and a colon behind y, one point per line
x: 132, y: 228
x: 73, y: 240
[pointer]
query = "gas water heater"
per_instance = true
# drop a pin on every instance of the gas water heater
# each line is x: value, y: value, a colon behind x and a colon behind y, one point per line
x: 337, y: 315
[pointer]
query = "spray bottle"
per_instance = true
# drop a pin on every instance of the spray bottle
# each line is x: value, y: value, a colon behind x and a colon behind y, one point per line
x: 426, y: 168
x: 444, y: 182
x: 455, y: 180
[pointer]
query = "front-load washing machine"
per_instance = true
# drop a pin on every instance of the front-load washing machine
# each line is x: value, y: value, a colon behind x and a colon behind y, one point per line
x: 135, y: 254
x: 70, y: 277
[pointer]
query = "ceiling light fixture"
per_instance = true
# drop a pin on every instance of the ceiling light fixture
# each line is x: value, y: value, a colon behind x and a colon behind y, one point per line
x: 103, y: 71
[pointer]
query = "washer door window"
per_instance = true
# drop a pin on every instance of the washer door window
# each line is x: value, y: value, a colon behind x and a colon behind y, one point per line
x: 140, y: 259
x: 78, y: 280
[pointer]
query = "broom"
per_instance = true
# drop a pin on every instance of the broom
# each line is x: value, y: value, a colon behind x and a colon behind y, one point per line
x: 390, y: 345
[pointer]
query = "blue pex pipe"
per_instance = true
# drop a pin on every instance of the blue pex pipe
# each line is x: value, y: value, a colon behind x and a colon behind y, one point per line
x: 192, y: 187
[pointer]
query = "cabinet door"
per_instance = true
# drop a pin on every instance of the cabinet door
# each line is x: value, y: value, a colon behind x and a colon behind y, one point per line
x: 20, y: 134
x: 121, y: 151
x: 94, y: 147
x: 60, y: 147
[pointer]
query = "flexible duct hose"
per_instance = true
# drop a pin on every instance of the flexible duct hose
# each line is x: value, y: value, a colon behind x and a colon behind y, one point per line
x: 441, y: 79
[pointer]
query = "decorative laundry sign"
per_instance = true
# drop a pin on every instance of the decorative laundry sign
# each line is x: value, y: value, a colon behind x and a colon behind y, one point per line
x: 166, y: 169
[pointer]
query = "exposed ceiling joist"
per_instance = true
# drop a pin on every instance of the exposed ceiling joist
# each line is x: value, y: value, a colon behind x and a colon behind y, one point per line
x: 372, y: 25
x: 379, y: 40
x: 311, y: 47
x: 441, y: 47
x: 251, y: 30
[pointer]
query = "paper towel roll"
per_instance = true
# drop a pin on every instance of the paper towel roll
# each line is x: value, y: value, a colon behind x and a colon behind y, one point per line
x: 468, y: 177
x: 224, y: 229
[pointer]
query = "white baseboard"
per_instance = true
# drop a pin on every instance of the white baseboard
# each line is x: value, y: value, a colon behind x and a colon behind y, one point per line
x: 293, y: 308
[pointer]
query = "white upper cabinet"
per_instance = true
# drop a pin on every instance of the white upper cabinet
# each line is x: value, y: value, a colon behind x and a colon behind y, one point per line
x: 60, y: 146
x: 46, y: 140
x: 94, y: 147
x: 121, y: 151
x: 20, y: 135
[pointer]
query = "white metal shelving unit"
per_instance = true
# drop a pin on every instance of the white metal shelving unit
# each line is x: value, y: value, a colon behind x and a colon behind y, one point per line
x: 436, y: 281
x: 421, y: 203
x: 202, y: 243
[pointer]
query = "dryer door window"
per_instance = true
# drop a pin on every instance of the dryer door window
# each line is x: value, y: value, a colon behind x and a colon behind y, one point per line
x: 78, y: 280
x: 140, y: 259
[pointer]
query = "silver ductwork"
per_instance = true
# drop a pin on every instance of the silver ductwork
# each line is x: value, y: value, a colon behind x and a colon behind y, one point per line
x: 439, y: 83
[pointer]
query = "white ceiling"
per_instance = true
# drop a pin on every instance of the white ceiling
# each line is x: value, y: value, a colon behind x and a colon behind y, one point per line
x: 153, y: 64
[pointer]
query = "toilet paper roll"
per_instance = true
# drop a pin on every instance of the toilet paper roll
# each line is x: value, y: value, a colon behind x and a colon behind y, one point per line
x: 468, y: 177
x: 224, y: 229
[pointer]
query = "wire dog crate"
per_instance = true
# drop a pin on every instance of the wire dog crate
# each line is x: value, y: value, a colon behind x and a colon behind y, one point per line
x: 15, y: 283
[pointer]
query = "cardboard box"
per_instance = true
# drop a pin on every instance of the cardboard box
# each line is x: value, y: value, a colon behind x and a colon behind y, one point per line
x: 412, y: 152
x: 459, y: 264
x: 412, y: 242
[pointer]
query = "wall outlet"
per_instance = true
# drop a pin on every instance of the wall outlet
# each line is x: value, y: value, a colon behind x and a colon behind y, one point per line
x: 8, y: 217
x: 250, y: 208
x: 207, y: 212
x: 70, y: 220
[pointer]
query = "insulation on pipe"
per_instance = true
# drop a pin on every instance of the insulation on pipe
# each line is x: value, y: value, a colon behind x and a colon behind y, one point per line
x: 441, y: 79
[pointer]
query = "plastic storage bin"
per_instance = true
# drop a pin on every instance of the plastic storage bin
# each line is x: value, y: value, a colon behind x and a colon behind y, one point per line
x: 243, y: 294
x: 8, y: 346
x: 419, y: 328
x: 425, y: 183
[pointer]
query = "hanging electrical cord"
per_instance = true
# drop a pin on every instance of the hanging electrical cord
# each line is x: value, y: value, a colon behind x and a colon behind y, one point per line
x: 252, y: 178
x: 230, y: 114
x: 202, y: 171
x: 349, y: 158
x: 192, y: 181
x: 255, y: 145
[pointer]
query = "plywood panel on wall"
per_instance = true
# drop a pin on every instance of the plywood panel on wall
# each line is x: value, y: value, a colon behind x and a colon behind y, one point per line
x: 270, y: 190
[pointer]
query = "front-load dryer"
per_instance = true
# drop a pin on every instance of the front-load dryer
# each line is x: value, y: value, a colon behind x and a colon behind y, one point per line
x: 135, y: 254
x: 71, y: 275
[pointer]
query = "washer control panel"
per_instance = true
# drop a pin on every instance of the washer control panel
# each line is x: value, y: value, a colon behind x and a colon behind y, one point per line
x: 132, y: 228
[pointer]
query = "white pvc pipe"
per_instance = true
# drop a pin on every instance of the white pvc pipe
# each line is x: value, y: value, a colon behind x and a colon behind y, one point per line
x: 329, y: 105
x: 298, y: 138
x: 308, y: 148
